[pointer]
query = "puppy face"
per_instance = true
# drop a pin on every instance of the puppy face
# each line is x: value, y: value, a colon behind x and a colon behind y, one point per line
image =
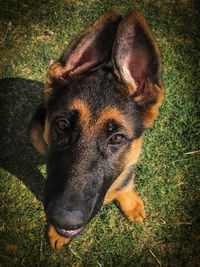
x: 100, y: 97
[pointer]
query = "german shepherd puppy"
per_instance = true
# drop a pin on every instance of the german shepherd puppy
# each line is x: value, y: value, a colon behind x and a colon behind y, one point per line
x: 100, y: 97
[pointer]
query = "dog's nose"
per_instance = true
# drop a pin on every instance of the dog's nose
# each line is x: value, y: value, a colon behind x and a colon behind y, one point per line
x: 65, y: 217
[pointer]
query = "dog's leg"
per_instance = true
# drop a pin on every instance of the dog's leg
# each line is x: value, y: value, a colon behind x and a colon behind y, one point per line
x: 130, y: 203
x: 56, y: 241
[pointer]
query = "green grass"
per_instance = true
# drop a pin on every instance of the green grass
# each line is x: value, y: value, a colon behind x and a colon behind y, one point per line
x: 167, y: 177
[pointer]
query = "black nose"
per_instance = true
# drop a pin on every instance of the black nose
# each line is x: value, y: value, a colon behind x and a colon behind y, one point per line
x: 69, y: 218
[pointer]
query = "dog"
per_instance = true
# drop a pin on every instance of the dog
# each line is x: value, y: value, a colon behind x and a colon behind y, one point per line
x: 99, y: 99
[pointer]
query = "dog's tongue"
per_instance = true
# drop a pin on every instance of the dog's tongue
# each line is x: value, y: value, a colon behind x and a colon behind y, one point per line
x: 69, y: 233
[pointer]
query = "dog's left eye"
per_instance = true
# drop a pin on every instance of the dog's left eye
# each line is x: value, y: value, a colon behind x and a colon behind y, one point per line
x: 116, y: 139
x: 62, y: 124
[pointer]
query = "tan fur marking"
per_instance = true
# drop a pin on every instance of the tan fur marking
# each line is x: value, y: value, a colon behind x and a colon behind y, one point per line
x: 85, y: 113
x: 150, y: 114
x: 132, y: 155
x: 46, y: 131
x: 112, y: 113
x: 36, y: 136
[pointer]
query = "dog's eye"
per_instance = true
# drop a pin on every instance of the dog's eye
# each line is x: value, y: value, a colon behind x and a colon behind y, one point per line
x: 116, y: 139
x: 62, y: 124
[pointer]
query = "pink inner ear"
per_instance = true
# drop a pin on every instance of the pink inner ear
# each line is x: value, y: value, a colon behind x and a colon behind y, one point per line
x: 138, y: 65
x: 72, y: 61
x: 82, y: 58
x: 134, y: 67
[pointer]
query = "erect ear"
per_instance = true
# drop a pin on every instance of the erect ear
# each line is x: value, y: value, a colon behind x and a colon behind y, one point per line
x: 137, y: 61
x: 91, y: 48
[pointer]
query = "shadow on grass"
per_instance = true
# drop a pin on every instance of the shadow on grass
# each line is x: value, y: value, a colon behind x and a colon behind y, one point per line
x: 18, y: 99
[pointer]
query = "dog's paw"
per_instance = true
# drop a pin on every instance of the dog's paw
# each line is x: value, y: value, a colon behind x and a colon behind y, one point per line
x: 55, y: 240
x: 137, y: 214
x: 132, y: 206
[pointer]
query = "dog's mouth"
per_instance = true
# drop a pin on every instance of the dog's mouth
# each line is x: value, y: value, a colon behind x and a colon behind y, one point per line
x: 69, y: 233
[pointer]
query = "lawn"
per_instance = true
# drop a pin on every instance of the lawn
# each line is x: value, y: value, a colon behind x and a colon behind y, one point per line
x: 167, y: 178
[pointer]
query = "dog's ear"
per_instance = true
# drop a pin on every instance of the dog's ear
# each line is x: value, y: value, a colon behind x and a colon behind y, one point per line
x: 137, y: 61
x: 91, y: 48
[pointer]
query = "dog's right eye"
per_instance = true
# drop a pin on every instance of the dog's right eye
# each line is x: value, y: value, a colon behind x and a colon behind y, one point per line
x: 116, y: 139
x: 62, y: 125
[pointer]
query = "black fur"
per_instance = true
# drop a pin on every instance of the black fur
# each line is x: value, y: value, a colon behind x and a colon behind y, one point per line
x: 78, y: 185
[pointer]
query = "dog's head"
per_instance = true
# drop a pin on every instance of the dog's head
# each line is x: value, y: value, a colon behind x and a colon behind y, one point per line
x: 100, y: 97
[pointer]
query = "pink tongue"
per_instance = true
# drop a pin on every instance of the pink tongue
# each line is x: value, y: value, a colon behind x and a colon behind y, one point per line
x: 70, y: 232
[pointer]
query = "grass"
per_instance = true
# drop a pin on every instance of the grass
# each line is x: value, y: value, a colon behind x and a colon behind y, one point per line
x: 167, y: 176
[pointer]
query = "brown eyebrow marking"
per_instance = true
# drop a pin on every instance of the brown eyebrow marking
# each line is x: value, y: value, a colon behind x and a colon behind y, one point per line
x: 85, y: 113
x: 112, y: 113
x: 109, y: 113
